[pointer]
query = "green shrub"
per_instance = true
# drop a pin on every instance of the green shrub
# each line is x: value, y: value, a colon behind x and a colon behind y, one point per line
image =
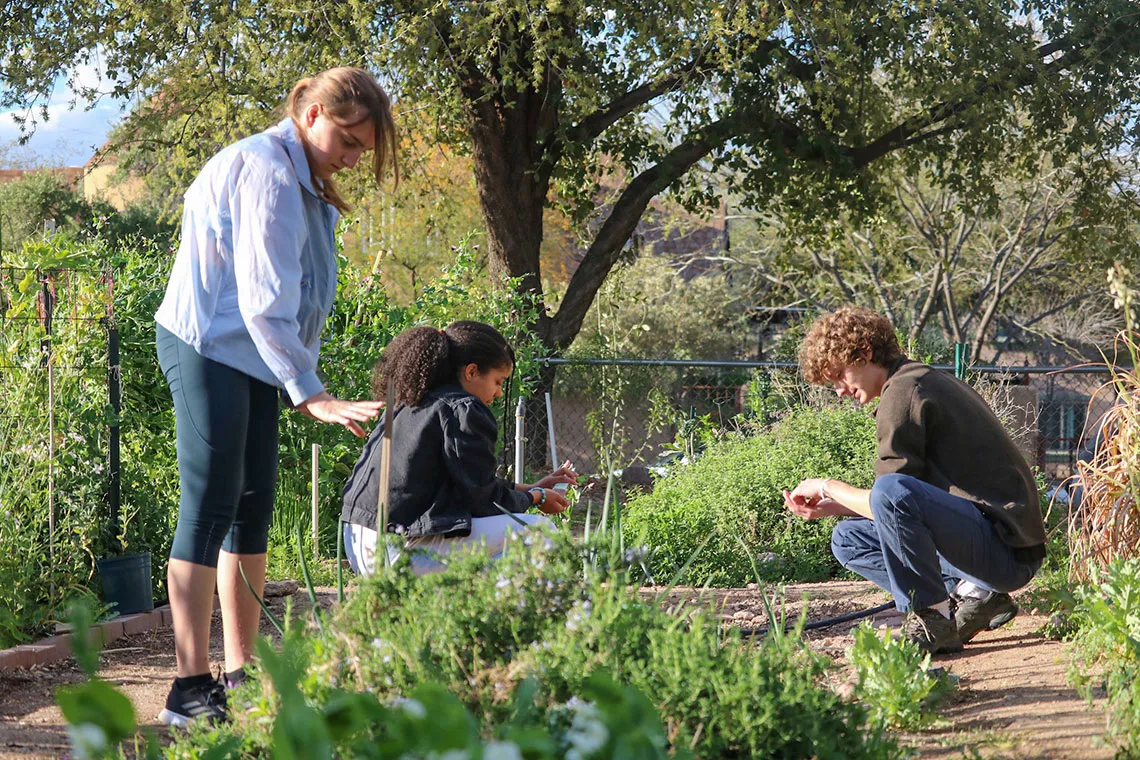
x: 483, y: 627
x: 895, y: 679
x: 1106, y: 647
x: 733, y: 493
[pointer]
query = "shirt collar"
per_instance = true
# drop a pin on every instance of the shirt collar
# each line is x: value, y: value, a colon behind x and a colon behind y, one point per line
x: 286, y: 130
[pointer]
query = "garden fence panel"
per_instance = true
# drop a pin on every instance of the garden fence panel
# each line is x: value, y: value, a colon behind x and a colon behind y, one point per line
x: 58, y: 433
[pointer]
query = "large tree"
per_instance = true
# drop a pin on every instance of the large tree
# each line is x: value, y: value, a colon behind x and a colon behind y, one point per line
x: 1033, y: 260
x: 802, y: 106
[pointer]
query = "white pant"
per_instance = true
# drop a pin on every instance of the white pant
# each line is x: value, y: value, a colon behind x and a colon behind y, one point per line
x: 491, y: 532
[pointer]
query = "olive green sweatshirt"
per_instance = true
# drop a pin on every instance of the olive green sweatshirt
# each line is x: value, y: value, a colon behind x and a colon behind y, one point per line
x: 932, y: 426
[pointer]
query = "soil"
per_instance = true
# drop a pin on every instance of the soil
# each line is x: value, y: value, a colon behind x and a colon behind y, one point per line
x: 1012, y: 699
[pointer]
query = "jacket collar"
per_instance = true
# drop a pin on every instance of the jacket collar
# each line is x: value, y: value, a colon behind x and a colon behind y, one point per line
x: 286, y: 131
x: 898, y: 363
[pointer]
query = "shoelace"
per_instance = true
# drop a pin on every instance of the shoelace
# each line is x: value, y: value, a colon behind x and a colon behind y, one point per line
x: 216, y: 693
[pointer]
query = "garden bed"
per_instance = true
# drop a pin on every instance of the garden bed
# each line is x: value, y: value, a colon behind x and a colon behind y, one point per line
x: 1012, y: 700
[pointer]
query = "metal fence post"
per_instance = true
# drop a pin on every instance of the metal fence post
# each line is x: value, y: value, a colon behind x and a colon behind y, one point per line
x: 961, y: 356
x: 114, y: 396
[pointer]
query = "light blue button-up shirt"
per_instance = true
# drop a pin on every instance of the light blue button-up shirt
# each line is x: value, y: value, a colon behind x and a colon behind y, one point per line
x: 255, y: 275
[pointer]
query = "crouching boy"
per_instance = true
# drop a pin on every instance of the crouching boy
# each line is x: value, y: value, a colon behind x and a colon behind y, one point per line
x: 953, y: 512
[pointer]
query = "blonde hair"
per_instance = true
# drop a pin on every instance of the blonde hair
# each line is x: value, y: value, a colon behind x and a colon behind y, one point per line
x: 842, y: 338
x: 349, y: 96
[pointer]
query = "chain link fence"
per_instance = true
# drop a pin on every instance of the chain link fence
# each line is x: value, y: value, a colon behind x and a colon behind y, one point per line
x: 623, y: 413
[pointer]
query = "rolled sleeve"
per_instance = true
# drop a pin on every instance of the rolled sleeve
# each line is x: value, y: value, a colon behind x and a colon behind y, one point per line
x: 269, y: 231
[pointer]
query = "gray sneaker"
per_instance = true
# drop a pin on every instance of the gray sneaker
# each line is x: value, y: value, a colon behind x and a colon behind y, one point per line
x: 976, y: 615
x: 932, y: 631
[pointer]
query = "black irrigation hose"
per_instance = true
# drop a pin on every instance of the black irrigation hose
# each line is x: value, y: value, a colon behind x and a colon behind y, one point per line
x: 826, y: 623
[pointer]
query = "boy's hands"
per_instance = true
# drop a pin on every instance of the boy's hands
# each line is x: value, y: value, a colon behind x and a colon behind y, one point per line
x: 809, y: 502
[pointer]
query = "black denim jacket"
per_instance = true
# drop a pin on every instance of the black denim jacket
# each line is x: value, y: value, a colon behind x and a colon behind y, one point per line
x: 443, y: 469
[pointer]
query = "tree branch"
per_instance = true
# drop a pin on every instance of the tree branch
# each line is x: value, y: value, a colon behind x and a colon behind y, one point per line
x: 622, y: 221
x: 915, y: 128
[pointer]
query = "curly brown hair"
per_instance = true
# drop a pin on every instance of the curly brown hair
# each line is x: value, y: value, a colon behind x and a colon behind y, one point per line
x: 841, y: 338
x: 422, y: 358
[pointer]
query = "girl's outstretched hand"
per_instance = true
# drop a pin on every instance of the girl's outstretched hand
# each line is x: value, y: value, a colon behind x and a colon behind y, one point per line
x: 324, y: 408
x: 564, y: 474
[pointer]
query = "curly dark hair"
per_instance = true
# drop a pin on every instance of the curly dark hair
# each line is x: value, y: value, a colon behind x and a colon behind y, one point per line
x: 423, y: 358
x: 842, y: 337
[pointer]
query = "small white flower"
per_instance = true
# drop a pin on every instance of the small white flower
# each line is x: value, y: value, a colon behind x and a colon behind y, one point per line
x: 87, y: 740
x: 410, y: 706
x: 503, y: 582
x: 501, y: 751
x: 587, y: 733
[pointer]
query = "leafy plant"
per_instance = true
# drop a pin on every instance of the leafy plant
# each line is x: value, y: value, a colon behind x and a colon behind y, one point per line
x: 1105, y: 646
x: 895, y: 679
x: 734, y: 489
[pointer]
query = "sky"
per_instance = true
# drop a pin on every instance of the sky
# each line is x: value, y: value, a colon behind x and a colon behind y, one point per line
x: 70, y: 136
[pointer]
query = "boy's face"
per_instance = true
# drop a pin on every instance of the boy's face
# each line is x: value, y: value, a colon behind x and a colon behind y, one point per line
x: 485, y: 386
x: 861, y: 380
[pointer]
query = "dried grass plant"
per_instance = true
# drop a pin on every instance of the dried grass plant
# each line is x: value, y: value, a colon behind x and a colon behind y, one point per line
x: 1106, y: 524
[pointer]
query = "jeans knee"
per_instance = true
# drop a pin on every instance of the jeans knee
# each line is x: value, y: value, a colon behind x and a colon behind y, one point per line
x: 847, y: 540
x: 893, y: 493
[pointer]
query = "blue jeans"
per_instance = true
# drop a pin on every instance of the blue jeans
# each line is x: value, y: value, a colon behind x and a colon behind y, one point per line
x: 923, y: 542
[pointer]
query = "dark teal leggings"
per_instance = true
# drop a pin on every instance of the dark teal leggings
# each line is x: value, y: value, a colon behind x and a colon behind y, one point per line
x: 227, y: 454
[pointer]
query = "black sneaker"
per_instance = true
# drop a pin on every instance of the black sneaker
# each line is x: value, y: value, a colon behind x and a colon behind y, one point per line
x: 235, y: 678
x: 932, y: 631
x: 976, y: 615
x: 205, y: 701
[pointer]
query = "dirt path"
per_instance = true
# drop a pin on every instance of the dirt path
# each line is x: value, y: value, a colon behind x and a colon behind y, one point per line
x: 1012, y: 701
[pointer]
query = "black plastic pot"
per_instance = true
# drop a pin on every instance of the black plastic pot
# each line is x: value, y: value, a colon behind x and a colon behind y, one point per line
x: 126, y: 582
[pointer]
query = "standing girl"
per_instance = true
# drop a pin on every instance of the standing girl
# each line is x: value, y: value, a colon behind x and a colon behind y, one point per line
x: 251, y: 288
x: 443, y: 492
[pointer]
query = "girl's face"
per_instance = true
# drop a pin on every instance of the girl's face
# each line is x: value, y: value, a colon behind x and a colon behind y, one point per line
x: 485, y: 386
x: 331, y: 146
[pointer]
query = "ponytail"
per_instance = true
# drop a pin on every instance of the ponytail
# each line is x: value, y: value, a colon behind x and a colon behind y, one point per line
x: 423, y: 358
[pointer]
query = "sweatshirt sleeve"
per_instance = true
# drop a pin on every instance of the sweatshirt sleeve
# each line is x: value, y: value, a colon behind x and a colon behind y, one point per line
x: 470, y: 432
x: 901, y: 424
x: 268, y: 234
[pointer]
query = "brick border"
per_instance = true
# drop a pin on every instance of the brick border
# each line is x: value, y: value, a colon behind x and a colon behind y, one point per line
x: 56, y: 648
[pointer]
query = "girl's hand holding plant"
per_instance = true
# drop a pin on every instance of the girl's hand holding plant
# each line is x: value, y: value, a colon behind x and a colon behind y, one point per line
x: 548, y: 500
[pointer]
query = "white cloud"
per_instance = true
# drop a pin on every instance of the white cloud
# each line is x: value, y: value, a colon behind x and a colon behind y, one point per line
x: 68, y: 136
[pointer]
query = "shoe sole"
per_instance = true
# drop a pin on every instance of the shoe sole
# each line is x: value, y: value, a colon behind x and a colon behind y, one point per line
x: 171, y: 718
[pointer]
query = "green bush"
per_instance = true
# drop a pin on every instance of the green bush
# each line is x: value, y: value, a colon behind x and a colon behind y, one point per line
x: 484, y: 629
x: 733, y: 494
x: 895, y: 679
x: 1106, y: 647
